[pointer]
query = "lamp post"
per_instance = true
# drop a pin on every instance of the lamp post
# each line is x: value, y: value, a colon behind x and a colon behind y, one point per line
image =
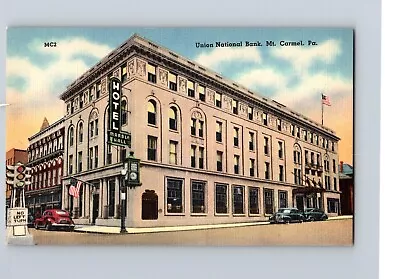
x: 123, y: 200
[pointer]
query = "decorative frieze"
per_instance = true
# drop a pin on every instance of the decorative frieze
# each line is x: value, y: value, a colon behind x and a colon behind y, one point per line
x: 243, y: 109
x: 227, y: 103
x: 163, y: 77
x: 258, y: 114
x: 210, y: 95
x: 182, y: 83
x: 197, y: 115
x: 104, y: 86
x: 140, y: 68
x: 117, y: 73
x: 131, y: 68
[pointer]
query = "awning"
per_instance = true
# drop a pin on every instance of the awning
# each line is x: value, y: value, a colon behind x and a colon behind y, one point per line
x: 308, y: 190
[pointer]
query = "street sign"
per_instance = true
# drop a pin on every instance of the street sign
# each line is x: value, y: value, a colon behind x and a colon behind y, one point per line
x: 119, y: 138
x: 17, y: 216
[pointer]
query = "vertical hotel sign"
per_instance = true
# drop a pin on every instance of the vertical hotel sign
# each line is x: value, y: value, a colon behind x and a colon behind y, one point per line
x: 114, y: 134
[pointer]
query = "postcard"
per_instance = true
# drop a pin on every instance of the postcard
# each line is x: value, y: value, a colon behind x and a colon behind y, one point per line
x: 180, y: 136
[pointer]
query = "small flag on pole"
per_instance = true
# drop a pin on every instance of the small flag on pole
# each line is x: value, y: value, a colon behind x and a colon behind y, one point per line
x: 325, y: 100
x: 74, y: 190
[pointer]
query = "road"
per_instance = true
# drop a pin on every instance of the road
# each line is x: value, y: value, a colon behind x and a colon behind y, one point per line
x: 327, y: 233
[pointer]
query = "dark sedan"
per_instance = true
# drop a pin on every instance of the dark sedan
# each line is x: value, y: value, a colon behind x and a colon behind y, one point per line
x: 314, y: 214
x: 287, y: 215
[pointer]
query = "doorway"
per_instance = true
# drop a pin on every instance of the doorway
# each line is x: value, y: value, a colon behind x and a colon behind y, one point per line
x: 149, y: 205
x: 95, y: 212
x: 300, y: 203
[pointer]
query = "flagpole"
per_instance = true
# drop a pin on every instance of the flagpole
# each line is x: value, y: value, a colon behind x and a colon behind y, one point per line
x: 322, y: 110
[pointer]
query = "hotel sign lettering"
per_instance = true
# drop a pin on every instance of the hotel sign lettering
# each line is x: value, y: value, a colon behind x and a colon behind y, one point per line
x: 114, y: 135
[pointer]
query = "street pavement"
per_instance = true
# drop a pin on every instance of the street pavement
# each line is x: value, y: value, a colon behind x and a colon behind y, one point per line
x: 334, y: 232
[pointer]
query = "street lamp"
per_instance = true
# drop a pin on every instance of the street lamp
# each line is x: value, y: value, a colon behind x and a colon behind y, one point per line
x: 123, y: 200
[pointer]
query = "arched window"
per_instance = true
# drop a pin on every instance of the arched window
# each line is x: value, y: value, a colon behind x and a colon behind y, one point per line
x: 71, y: 136
x: 93, y: 124
x: 151, y: 112
x: 124, y: 109
x: 173, y: 119
x: 81, y: 132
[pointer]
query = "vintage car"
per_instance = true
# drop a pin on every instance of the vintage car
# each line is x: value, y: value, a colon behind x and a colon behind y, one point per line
x: 287, y: 215
x: 314, y: 214
x: 54, y: 219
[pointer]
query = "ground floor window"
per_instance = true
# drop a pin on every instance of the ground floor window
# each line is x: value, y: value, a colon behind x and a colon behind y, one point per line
x: 198, y: 197
x: 174, y: 195
x: 221, y: 201
x: 253, y: 200
x: 238, y: 197
x: 111, y: 198
x: 269, y: 201
x: 333, y: 205
x: 283, y: 199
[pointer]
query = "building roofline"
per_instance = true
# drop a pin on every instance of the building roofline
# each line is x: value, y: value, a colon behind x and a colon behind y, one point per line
x: 17, y: 149
x: 139, y: 41
x: 46, y: 129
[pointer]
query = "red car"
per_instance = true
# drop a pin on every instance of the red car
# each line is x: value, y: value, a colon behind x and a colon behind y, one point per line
x: 54, y: 218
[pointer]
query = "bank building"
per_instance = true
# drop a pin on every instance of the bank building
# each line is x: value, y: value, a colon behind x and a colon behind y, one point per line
x: 211, y: 151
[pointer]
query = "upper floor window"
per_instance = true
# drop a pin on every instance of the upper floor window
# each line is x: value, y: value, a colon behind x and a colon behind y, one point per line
x: 124, y: 74
x: 190, y: 88
x: 236, y: 136
x: 236, y: 159
x: 193, y: 156
x: 81, y: 101
x: 217, y: 99
x: 298, y: 132
x: 124, y: 112
x: 201, y: 128
x: 80, y: 132
x: 334, y: 165
x: 219, y: 160
x: 218, y: 133
x: 333, y: 146
x: 202, y: 94
x: 265, y: 121
x: 278, y: 124
x: 291, y: 129
x: 305, y: 135
x: 173, y: 156
x: 94, y: 124
x: 201, y: 157
x: 250, y: 113
x: 71, y: 136
x: 193, y: 127
x: 266, y: 145
x: 251, y: 141
x: 151, y: 148
x: 251, y: 169
x: 98, y: 90
x: 235, y: 106
x: 280, y: 151
x: 173, y: 119
x: 172, y: 81
x: 151, y: 112
x: 80, y: 161
x: 151, y: 73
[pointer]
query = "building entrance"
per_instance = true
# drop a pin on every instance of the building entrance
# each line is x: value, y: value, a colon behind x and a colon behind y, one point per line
x: 95, y: 212
x: 149, y: 205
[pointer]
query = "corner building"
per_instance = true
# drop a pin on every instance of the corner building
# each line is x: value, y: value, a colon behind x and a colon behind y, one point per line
x: 211, y: 151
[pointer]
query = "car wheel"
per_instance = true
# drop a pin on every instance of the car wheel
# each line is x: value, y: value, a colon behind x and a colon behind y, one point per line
x: 48, y: 226
x: 36, y: 226
x: 311, y: 219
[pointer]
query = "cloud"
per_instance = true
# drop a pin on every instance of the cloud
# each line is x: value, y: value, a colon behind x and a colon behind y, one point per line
x: 302, y: 57
x: 219, y: 56
x: 38, y: 98
x: 265, y: 77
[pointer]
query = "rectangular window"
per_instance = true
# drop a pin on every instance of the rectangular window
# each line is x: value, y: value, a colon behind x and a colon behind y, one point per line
x: 251, y: 141
x: 280, y: 151
x: 269, y: 201
x: 312, y: 158
x: 190, y: 88
x: 201, y: 91
x: 174, y: 195
x: 96, y: 127
x: 265, y: 121
x: 250, y: 113
x: 80, y: 161
x: 151, y: 73
x: 109, y: 154
x: 251, y: 169
x: 193, y: 156
x: 96, y: 156
x: 201, y: 128
x: 278, y: 125
x: 193, y: 127
x: 81, y: 101
x: 198, y: 197
x: 333, y: 146
x: 217, y: 99
x: 291, y: 129
x: 298, y: 132
x: 151, y: 148
x: 306, y: 156
x: 334, y: 165
x: 254, y: 207
x: 201, y: 157
x: 219, y: 160
x: 281, y: 174
x: 124, y: 74
x: 71, y: 164
x: 236, y: 137
x: 111, y: 198
x: 334, y: 184
x: 91, y: 158
x: 238, y: 197
x: 235, y: 106
x: 122, y: 154
x: 221, y: 199
x: 267, y: 171
x: 283, y: 203
x: 98, y: 90
x: 333, y: 205
x: 318, y: 161
x: 266, y: 145
x: 172, y: 81
x: 236, y: 159
x: 218, y: 133
x: 173, y: 157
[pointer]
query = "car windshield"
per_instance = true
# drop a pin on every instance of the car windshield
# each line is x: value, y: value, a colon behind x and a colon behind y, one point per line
x: 284, y: 210
x: 308, y: 209
x: 61, y: 212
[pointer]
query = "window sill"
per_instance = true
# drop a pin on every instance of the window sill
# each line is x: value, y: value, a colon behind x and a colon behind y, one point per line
x: 174, y: 131
x: 221, y: 214
x: 174, y: 214
x: 239, y: 215
x: 198, y: 214
x: 254, y: 214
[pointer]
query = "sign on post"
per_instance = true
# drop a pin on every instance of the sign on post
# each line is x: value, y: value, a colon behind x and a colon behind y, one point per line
x: 17, y: 216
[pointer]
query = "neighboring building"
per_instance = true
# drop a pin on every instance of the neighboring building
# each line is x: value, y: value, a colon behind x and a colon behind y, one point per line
x: 14, y: 156
x: 346, y: 186
x: 45, y: 153
x: 211, y: 151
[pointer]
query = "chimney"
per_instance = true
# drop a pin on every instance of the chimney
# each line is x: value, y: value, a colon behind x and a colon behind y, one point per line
x: 341, y: 166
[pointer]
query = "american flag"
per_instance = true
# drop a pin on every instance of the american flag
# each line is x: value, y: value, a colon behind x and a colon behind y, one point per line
x: 325, y: 100
x: 74, y: 190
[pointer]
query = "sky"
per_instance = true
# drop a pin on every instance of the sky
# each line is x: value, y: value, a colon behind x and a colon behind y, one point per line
x: 292, y: 75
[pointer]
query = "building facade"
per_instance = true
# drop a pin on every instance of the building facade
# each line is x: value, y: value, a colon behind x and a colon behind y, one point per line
x: 13, y: 157
x: 346, y: 185
x: 211, y: 151
x: 45, y: 157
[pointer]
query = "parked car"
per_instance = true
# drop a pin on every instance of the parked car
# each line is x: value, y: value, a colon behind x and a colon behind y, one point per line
x: 314, y: 214
x: 31, y: 221
x: 54, y: 219
x: 287, y: 215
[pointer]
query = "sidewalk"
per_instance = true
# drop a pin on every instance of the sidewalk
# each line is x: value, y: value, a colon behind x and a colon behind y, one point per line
x: 116, y: 230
